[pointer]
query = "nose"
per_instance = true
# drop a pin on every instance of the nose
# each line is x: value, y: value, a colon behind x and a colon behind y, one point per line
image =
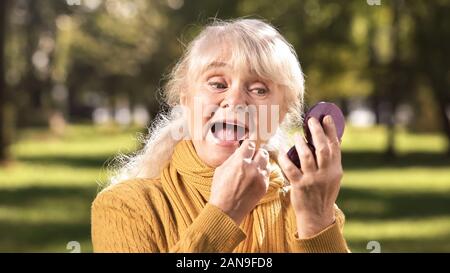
x: 234, y: 98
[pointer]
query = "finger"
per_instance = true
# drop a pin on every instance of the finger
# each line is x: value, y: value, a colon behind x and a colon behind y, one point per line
x: 308, y: 163
x: 261, y: 159
x: 330, y: 128
x: 320, y: 142
x: 331, y: 132
x: 289, y: 169
x: 247, y: 149
x: 253, y: 137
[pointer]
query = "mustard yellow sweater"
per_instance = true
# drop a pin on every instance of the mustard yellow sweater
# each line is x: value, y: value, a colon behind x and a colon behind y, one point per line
x: 172, y: 214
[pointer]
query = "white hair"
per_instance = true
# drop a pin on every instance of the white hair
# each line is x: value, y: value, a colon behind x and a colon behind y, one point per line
x: 250, y: 43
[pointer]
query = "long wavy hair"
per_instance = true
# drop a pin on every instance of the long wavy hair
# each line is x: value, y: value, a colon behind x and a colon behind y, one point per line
x: 252, y: 43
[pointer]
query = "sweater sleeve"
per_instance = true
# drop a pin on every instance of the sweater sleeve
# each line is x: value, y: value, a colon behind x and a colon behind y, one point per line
x: 211, y: 231
x: 330, y: 239
x: 118, y: 227
x: 131, y: 225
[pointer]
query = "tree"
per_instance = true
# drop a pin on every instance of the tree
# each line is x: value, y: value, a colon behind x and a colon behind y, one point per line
x: 4, y: 141
x: 432, y: 45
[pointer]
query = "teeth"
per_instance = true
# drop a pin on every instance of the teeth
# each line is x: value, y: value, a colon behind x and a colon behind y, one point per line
x: 227, y: 132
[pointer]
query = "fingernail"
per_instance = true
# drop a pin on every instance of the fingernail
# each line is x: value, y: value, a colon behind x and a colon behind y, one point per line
x: 311, y: 122
x: 264, y: 152
x: 251, y: 144
x: 329, y: 120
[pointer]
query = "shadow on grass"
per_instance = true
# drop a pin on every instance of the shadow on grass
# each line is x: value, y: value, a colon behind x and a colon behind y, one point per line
x: 34, y: 234
x: 438, y: 244
x: 367, y: 159
x: 373, y: 205
x: 378, y: 205
x: 69, y: 161
x: 33, y: 237
x: 24, y: 197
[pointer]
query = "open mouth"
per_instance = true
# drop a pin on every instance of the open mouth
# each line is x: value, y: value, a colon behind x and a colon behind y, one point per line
x: 226, y: 131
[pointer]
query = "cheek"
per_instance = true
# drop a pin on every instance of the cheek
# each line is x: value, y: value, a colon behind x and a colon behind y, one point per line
x: 268, y: 119
x: 201, y: 106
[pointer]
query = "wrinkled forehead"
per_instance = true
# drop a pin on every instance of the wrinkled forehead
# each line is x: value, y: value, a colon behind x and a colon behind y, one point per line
x: 242, y: 57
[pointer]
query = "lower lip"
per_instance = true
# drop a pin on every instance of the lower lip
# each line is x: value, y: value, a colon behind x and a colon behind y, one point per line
x: 223, y: 143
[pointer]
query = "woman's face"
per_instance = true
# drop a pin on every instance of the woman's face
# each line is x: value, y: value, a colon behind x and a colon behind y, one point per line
x: 225, y: 106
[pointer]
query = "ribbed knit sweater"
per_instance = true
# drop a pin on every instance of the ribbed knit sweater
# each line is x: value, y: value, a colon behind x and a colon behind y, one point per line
x: 172, y: 214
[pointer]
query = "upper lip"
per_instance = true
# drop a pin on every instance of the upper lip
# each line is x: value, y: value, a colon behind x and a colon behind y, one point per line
x: 229, y: 121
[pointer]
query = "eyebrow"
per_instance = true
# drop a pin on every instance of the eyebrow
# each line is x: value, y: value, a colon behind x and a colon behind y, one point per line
x: 215, y: 65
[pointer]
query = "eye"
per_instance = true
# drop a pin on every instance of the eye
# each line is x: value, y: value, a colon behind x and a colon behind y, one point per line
x: 218, y: 85
x: 259, y: 91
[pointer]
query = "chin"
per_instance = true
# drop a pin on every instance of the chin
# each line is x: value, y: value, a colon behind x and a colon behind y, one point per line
x: 215, y: 155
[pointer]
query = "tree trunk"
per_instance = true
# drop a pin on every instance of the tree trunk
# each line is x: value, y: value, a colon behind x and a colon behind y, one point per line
x: 443, y: 101
x: 4, y: 141
x: 394, y: 85
x: 445, y: 122
x: 32, y: 84
x: 390, y: 149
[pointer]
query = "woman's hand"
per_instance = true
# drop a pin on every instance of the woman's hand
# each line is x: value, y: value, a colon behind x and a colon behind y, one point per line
x: 315, y: 186
x: 241, y: 181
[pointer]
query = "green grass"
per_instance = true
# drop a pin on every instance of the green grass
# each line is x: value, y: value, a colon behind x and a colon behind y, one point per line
x: 403, y: 203
x: 46, y: 193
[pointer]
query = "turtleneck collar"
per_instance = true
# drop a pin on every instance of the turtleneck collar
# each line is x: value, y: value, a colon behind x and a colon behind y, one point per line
x: 197, y: 173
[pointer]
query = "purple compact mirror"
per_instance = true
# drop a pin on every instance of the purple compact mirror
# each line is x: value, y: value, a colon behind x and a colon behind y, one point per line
x: 319, y: 111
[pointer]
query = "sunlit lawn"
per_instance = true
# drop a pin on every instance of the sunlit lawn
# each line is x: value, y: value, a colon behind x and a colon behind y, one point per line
x: 45, y: 196
x: 404, y: 204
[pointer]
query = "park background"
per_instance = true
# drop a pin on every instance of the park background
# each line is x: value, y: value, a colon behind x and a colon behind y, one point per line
x: 79, y: 82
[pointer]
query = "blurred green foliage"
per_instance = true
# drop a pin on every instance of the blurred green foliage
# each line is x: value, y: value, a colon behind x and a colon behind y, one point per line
x: 122, y: 48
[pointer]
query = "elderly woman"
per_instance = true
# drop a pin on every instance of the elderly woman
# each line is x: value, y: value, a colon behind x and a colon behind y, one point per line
x: 214, y: 175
